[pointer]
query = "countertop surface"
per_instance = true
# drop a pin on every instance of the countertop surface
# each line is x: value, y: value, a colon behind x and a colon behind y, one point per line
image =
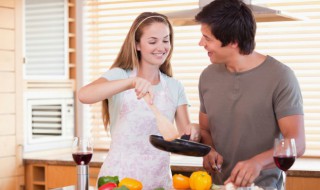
x: 303, y: 167
x: 64, y: 157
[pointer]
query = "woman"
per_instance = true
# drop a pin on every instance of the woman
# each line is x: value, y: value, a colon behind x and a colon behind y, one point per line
x: 142, y: 68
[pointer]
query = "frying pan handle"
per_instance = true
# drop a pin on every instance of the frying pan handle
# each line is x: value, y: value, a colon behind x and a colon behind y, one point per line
x: 185, y: 137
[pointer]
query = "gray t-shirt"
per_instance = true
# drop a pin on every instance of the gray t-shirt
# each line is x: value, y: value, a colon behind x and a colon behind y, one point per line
x: 243, y: 109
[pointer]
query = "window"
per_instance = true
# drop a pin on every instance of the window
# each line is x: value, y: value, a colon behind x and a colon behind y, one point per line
x: 295, y: 43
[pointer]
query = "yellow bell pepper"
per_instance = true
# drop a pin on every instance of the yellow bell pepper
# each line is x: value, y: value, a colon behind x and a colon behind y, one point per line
x: 131, y: 183
x: 200, y: 180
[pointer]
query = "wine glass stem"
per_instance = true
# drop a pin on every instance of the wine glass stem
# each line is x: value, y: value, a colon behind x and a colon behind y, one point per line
x: 284, y: 180
x: 83, y: 177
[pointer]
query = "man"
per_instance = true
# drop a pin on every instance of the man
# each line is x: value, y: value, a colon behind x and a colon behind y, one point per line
x: 247, y: 99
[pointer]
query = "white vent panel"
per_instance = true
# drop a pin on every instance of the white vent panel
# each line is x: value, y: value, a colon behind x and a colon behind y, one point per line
x: 46, y: 120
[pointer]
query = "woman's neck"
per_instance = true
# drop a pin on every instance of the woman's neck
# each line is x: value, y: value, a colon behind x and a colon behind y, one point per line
x: 151, y: 74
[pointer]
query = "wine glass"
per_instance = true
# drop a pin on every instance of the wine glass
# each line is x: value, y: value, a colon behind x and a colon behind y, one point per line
x: 82, y: 150
x: 284, y: 154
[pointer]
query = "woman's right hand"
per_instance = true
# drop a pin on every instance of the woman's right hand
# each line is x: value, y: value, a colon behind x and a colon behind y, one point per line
x: 212, y: 161
x: 142, y: 87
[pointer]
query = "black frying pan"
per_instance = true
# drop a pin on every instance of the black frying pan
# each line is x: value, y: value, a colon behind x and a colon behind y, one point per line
x: 180, y: 146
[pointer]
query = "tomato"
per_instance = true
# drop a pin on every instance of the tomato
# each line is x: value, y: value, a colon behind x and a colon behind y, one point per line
x: 200, y: 180
x: 108, y: 186
x: 131, y: 183
x: 180, y: 181
x: 106, y: 179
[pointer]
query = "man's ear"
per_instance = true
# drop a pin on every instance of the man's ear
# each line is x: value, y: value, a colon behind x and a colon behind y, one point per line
x: 234, y: 44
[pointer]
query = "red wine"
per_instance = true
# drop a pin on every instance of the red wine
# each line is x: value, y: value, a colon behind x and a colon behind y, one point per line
x: 82, y: 158
x: 284, y: 162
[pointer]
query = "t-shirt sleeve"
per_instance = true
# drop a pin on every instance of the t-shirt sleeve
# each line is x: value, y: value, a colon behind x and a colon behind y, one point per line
x: 202, y: 107
x: 115, y: 74
x: 182, y: 98
x: 288, y: 98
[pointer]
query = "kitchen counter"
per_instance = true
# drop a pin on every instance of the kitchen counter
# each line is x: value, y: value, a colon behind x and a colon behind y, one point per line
x: 64, y: 158
x: 72, y: 187
x: 303, y: 167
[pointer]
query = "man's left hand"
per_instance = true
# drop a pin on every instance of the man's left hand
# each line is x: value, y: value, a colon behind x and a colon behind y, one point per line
x: 244, y: 173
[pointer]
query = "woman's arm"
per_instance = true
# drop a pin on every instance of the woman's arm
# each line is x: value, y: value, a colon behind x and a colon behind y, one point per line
x: 185, y: 126
x: 183, y: 120
x: 102, y: 89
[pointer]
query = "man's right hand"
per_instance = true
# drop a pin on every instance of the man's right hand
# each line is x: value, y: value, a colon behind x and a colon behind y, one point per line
x: 212, y: 162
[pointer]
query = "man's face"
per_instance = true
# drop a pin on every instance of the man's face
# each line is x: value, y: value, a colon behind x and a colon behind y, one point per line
x: 216, y: 53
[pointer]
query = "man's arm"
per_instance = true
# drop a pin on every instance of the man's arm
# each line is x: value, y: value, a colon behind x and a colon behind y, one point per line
x: 290, y: 127
x: 213, y: 160
x: 204, y: 129
x: 245, y: 172
x: 293, y: 127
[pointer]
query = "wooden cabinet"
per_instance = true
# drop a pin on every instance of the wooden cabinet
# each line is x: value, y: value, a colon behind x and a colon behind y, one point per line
x: 36, y: 177
x: 45, y: 177
x: 60, y: 176
x: 302, y: 183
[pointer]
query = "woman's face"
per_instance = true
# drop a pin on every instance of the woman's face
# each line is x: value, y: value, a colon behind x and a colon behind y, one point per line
x: 154, y: 44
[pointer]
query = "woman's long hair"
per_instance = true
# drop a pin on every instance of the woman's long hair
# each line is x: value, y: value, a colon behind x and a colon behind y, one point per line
x: 129, y: 58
